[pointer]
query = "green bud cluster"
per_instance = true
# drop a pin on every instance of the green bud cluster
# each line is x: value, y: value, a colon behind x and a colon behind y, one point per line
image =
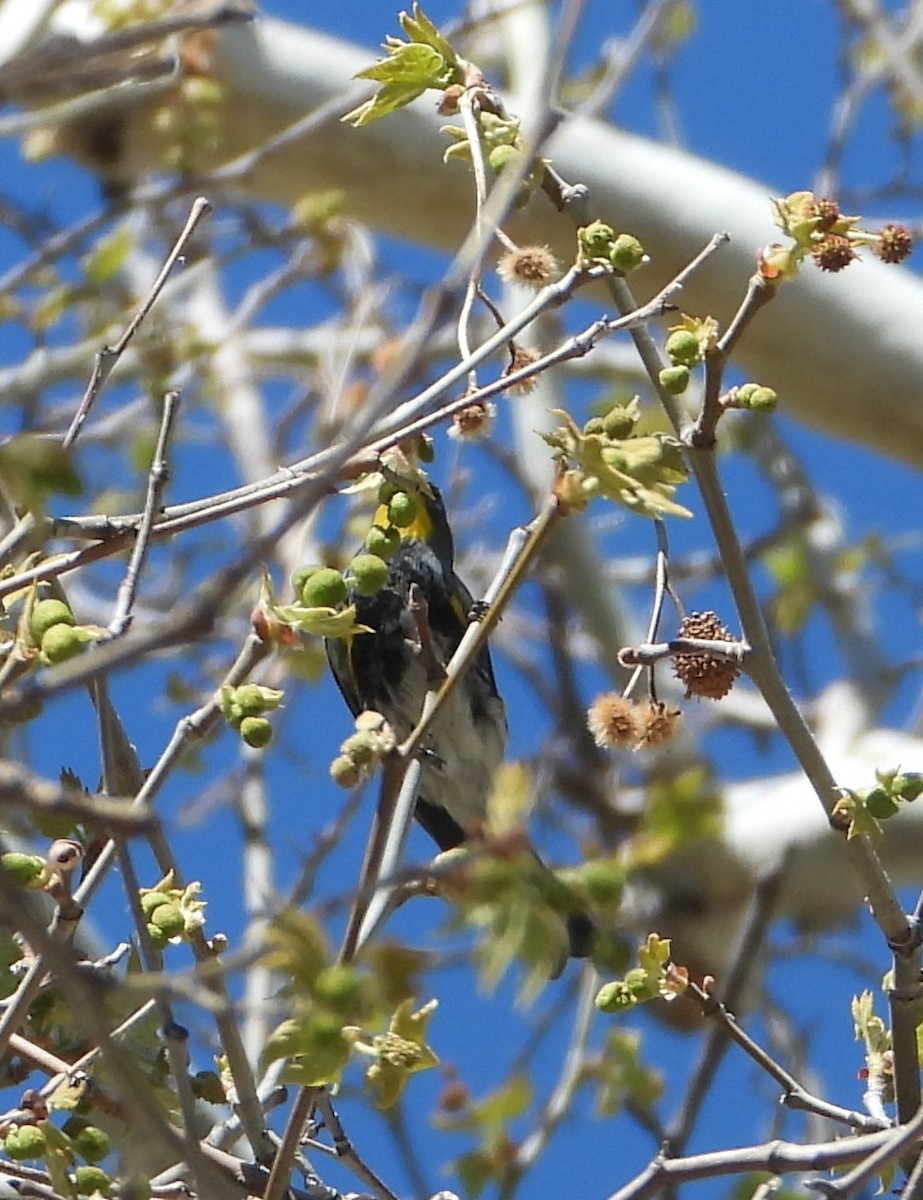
x: 599, y: 245
x: 754, y: 397
x: 883, y: 800
x: 362, y: 750
x: 24, y: 1142
x: 53, y: 628
x: 171, y: 912
x: 639, y: 471
x: 88, y: 1141
x: 244, y: 708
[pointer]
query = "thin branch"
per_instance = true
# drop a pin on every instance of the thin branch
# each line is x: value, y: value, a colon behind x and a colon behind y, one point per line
x: 108, y: 356
x: 157, y: 481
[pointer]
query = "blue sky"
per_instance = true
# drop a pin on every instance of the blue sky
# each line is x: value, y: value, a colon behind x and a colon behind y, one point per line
x: 754, y: 89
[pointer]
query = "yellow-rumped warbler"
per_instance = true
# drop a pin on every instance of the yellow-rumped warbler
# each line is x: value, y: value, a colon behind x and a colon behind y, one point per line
x: 383, y: 671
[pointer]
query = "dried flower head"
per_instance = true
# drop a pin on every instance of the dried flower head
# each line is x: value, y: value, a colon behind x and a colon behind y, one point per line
x: 834, y: 253
x: 613, y: 721
x: 658, y: 725
x: 704, y: 674
x: 828, y: 213
x: 533, y: 266
x: 473, y: 422
x: 893, y: 244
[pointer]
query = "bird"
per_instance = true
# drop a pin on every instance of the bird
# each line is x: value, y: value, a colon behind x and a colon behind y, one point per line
x: 384, y: 671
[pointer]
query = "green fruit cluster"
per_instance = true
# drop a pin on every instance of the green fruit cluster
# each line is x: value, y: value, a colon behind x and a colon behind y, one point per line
x: 53, y: 628
x: 245, y: 707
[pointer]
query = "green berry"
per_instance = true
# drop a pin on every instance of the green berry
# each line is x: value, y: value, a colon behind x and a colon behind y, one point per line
x: 386, y: 491
x: 683, y: 348
x: 301, y: 575
x: 92, y: 1179
x: 370, y: 573
x: 91, y: 1143
x: 627, y: 253
x: 595, y: 425
x: 169, y: 919
x: 382, y: 541
x: 47, y: 613
x: 326, y: 588
x: 595, y: 240
x: 23, y: 869
x: 60, y: 643
x: 27, y: 1141
x: 256, y: 732
x: 880, y: 804
x: 402, y: 510
x: 674, y: 379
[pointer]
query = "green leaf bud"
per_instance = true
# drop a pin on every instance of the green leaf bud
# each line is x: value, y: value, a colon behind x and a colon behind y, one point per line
x: 326, y: 588
x: 683, y: 348
x: 24, y: 869
x: 402, y: 510
x: 46, y: 614
x: 627, y: 253
x: 369, y: 572
x: 674, y: 379
x: 502, y: 156
x: 256, y: 732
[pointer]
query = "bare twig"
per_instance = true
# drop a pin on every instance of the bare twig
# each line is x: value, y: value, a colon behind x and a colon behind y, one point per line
x: 157, y: 481
x: 108, y: 356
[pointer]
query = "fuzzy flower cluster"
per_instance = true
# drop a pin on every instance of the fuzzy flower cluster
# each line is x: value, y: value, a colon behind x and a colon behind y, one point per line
x: 617, y: 722
x: 820, y: 231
